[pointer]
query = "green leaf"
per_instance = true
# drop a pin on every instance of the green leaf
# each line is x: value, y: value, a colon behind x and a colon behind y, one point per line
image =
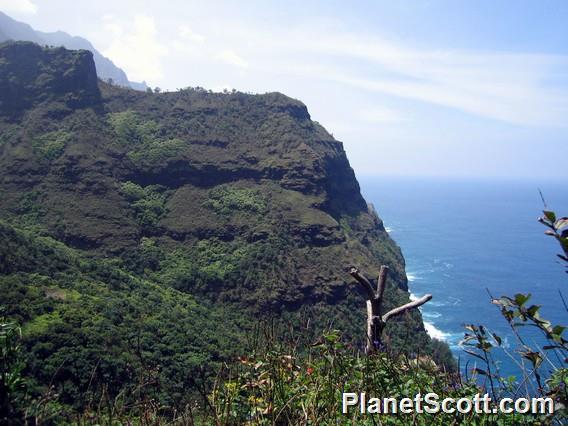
x: 521, y: 299
x: 532, y: 311
x: 497, y: 338
x: 550, y: 215
x: 534, y: 357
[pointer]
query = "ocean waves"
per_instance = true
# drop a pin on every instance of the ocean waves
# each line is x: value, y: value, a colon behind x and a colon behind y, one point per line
x: 431, y: 277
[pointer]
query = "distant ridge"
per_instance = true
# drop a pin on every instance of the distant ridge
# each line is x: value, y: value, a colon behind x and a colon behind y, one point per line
x: 10, y: 29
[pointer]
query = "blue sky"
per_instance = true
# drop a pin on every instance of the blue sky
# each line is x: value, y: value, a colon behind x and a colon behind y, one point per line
x: 421, y: 88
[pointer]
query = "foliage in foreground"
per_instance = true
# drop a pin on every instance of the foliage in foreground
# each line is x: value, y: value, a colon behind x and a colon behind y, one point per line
x: 282, y: 381
x: 283, y: 386
x: 97, y: 333
x: 93, y: 333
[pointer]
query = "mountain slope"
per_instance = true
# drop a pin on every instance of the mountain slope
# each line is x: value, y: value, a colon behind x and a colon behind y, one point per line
x: 11, y: 29
x: 89, y: 323
x: 239, y: 202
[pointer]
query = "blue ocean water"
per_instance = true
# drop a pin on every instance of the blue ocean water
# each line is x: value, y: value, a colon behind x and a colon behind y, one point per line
x: 462, y: 237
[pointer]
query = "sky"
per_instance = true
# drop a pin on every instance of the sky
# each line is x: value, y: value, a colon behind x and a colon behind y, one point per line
x: 469, y: 89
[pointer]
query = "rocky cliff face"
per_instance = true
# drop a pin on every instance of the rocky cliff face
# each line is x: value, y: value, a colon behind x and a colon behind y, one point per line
x: 235, y: 198
x: 11, y: 29
x: 30, y: 75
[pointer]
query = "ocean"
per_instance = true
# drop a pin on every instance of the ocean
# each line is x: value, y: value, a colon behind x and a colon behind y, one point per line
x: 461, y: 238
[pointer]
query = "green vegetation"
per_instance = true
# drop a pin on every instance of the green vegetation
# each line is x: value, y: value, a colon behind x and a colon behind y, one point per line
x: 94, y: 331
x: 144, y: 138
x: 282, y: 379
x: 9, y: 134
x: 557, y: 228
x: 157, y: 151
x: 31, y: 75
x: 144, y: 233
x: 50, y: 145
x: 212, y: 268
x: 29, y: 209
x: 226, y: 200
x: 130, y: 130
x: 149, y: 203
x: 144, y: 365
x: 283, y: 382
x: 12, y: 385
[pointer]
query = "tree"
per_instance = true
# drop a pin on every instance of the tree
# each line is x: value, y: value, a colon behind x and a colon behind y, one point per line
x: 376, y: 322
x: 11, y: 365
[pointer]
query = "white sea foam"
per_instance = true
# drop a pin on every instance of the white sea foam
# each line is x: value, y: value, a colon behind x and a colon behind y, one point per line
x: 434, y: 332
x: 455, y: 300
x: 388, y: 229
x: 411, y: 277
x: 431, y: 314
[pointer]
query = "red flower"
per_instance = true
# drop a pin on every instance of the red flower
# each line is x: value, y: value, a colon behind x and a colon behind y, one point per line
x: 310, y: 370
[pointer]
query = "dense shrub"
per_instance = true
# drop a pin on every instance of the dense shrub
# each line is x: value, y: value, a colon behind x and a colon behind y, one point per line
x: 226, y: 200
x: 51, y: 145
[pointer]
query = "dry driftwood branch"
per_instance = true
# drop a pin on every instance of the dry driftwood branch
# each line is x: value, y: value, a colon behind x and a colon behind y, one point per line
x: 367, y: 286
x: 375, y: 321
x: 402, y: 309
x: 382, y: 282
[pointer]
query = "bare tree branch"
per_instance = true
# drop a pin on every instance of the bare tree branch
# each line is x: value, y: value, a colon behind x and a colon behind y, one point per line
x: 382, y: 282
x: 375, y: 321
x: 354, y: 272
x: 402, y: 309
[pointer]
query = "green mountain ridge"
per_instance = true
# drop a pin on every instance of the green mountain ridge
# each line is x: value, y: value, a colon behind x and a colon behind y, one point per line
x: 215, y: 210
x: 10, y: 29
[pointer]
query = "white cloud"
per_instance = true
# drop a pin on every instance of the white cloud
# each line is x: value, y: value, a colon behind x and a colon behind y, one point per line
x: 111, y: 26
x: 188, y: 41
x: 231, y: 58
x: 380, y: 114
x: 187, y: 34
x: 25, y: 7
x: 504, y: 86
x: 136, y: 49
